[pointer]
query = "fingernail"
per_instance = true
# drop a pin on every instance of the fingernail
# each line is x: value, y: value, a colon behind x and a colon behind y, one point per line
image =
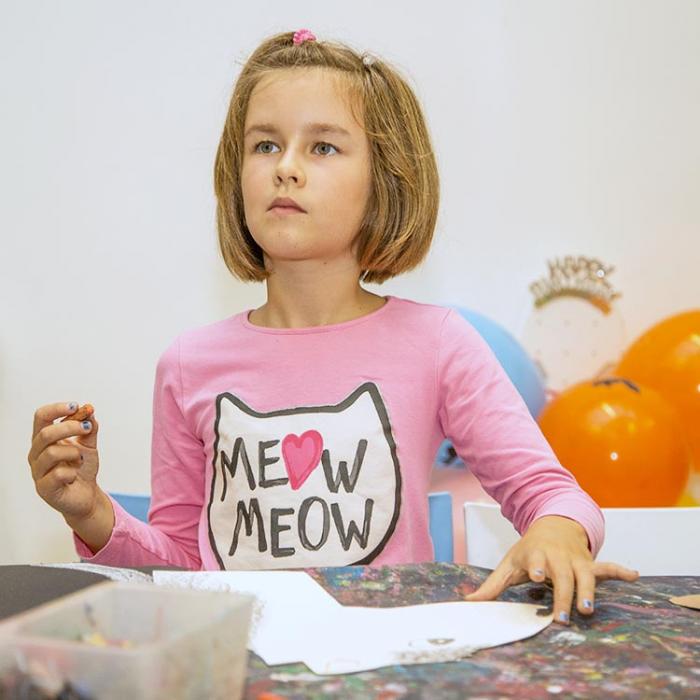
x: 539, y: 572
x: 587, y: 604
x: 563, y: 617
x: 87, y: 425
x: 72, y: 406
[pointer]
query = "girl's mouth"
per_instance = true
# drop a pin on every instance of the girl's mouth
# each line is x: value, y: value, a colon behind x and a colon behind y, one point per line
x: 283, y: 211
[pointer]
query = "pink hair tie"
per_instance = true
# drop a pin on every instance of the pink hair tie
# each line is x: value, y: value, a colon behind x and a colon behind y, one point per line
x: 303, y: 35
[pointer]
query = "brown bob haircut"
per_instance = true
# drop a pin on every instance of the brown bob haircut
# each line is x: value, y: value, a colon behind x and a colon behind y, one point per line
x: 398, y: 224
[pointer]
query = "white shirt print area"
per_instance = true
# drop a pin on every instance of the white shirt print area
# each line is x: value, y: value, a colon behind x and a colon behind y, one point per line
x: 303, y: 487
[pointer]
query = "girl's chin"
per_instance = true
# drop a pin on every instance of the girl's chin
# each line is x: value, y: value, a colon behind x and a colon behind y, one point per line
x: 290, y: 245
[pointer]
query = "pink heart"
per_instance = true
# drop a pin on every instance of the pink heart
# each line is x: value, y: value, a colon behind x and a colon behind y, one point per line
x: 301, y: 455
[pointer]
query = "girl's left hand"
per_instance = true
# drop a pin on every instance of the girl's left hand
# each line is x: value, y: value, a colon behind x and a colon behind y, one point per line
x: 556, y: 548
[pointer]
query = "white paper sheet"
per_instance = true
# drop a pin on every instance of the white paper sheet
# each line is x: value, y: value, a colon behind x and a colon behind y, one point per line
x: 296, y: 620
x: 290, y: 607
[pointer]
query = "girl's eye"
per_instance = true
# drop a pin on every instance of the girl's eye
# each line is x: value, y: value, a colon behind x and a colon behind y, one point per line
x: 263, y: 143
x: 328, y: 145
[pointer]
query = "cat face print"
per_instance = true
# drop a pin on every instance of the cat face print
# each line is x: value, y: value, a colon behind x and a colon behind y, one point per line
x: 304, y: 486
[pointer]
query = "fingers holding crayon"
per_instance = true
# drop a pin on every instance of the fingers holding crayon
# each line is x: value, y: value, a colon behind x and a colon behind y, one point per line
x: 63, y: 457
x: 85, y: 416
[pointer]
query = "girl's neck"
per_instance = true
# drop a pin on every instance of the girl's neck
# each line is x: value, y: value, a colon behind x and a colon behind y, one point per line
x: 298, y: 298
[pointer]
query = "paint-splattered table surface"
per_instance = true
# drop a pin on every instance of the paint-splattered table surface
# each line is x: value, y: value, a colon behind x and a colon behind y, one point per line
x: 637, y: 644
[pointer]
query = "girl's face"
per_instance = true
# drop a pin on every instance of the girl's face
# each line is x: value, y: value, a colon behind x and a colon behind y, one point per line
x: 302, y: 142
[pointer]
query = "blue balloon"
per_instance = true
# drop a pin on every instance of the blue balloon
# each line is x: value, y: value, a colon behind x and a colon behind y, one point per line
x: 517, y: 364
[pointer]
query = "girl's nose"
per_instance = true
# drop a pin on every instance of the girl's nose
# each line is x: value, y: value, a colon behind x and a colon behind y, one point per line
x: 288, y: 168
x: 282, y: 176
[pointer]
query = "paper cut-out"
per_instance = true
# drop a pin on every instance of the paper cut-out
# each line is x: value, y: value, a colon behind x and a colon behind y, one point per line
x: 296, y: 620
x: 687, y: 601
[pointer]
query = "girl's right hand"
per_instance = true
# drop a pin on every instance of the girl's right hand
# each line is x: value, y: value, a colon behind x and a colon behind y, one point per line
x: 64, y: 461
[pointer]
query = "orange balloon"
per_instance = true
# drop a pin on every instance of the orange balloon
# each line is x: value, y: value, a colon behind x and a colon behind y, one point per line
x: 691, y: 494
x: 687, y: 499
x: 666, y: 358
x: 621, y: 441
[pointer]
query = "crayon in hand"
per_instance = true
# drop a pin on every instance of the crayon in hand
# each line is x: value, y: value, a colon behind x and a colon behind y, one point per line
x: 83, y: 413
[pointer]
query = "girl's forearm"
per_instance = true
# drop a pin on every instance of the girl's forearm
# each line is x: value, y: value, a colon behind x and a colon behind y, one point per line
x: 95, y: 529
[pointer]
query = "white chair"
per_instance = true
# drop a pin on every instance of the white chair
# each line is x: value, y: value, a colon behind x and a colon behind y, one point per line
x: 654, y: 541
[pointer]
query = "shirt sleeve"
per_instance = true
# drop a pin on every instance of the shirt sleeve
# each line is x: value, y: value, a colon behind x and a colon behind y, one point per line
x: 491, y: 429
x: 177, y: 487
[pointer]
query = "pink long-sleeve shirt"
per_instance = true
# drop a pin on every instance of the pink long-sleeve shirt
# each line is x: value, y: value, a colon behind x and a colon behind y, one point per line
x: 302, y: 447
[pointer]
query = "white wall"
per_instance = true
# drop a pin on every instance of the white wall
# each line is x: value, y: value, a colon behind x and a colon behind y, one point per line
x: 561, y: 127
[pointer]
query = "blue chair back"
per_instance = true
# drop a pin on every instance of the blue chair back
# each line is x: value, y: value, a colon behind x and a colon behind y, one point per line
x: 133, y: 503
x: 440, y: 506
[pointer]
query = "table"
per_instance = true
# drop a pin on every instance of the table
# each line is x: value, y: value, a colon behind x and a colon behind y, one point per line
x: 637, y: 644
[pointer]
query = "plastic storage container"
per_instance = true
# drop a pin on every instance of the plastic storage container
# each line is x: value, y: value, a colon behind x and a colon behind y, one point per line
x: 119, y: 641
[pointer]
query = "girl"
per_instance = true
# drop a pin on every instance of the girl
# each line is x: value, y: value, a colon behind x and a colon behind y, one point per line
x: 302, y: 433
